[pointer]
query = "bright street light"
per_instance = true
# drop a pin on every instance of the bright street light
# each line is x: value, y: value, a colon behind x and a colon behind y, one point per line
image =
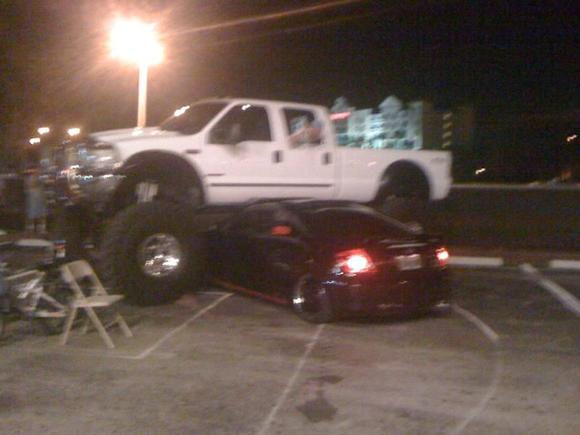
x: 74, y: 131
x: 43, y: 130
x: 134, y: 41
x: 34, y: 140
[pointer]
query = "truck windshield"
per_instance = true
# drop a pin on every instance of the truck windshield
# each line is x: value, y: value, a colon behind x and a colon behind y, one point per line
x: 190, y: 120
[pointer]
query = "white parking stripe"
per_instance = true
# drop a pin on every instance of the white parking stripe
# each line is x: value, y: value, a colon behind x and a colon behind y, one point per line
x: 497, y: 370
x: 564, y: 264
x: 476, y: 261
x: 171, y: 333
x: 560, y: 293
x: 481, y: 325
x: 290, y: 384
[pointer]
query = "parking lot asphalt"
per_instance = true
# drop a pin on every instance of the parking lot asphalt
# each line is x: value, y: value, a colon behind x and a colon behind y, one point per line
x: 505, y: 360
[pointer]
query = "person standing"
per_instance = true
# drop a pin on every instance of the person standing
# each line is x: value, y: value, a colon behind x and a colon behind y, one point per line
x: 35, y: 201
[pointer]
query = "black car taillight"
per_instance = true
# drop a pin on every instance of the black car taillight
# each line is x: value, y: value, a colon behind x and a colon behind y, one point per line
x: 354, y: 262
x: 442, y: 255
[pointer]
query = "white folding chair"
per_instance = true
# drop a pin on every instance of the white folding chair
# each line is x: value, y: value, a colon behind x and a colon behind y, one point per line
x: 75, y: 272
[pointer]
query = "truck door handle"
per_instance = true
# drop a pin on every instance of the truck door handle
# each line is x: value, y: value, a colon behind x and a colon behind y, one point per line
x: 277, y: 156
x: 326, y: 158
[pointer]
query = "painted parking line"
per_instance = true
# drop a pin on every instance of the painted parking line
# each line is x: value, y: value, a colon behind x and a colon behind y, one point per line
x: 498, y: 368
x: 38, y: 345
x: 270, y: 418
x: 171, y: 333
x: 480, y: 324
x: 476, y: 261
x: 559, y: 292
x: 564, y: 264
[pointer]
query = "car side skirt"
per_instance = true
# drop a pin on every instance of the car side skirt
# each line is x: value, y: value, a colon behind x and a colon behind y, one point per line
x: 250, y: 292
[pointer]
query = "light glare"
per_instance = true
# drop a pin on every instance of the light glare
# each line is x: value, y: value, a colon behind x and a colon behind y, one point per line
x: 134, y: 41
x: 181, y: 111
x: 43, y: 130
x: 442, y: 256
x: 357, y: 263
x: 74, y: 131
x: 34, y: 140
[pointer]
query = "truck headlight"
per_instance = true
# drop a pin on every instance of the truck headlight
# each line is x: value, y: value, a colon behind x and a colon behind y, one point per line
x: 88, y: 170
x: 99, y: 157
x: 94, y: 158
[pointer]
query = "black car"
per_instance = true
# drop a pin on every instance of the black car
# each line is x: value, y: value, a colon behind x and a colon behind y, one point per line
x: 328, y: 259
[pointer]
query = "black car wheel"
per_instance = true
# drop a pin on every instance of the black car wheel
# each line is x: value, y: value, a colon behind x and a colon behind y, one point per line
x: 311, y: 301
x: 152, y: 253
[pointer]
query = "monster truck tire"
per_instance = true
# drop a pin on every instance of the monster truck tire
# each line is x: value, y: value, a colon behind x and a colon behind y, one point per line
x: 407, y: 204
x: 151, y: 252
x: 406, y: 210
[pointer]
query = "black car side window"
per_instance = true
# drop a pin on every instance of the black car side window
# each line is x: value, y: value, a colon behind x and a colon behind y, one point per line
x: 253, y: 222
x: 265, y: 220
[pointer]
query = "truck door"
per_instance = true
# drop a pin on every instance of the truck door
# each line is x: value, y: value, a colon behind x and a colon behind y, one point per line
x: 244, y: 137
x: 307, y: 162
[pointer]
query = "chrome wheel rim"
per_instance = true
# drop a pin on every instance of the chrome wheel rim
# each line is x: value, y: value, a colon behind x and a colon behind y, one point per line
x: 307, y: 296
x: 159, y: 255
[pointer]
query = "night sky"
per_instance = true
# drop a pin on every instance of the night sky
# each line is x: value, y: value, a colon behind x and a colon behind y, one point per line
x: 516, y: 62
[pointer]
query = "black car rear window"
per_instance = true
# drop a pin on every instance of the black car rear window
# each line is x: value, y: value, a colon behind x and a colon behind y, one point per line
x: 343, y: 223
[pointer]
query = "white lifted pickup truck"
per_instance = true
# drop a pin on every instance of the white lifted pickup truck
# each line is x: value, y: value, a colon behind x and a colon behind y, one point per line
x: 230, y: 151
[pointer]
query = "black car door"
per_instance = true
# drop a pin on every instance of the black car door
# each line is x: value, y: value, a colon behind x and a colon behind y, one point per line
x: 282, y: 260
x: 235, y: 255
x: 279, y: 251
x: 259, y: 250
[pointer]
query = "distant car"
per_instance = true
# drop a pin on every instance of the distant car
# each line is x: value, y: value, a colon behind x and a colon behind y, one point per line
x: 328, y: 260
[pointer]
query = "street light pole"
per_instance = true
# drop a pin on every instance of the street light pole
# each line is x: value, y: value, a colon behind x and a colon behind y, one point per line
x: 142, y: 102
x: 136, y: 42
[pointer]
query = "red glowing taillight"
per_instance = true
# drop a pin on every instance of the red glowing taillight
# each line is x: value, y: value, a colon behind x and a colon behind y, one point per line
x: 354, y: 262
x: 442, y: 255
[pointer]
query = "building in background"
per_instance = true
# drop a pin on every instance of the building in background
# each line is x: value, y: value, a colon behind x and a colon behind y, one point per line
x: 395, y: 125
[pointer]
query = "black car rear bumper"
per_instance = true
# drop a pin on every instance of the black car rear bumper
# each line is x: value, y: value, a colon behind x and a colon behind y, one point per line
x: 373, y: 295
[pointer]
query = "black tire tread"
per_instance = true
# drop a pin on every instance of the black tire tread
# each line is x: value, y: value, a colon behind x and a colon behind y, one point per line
x: 325, y: 315
x: 116, y: 239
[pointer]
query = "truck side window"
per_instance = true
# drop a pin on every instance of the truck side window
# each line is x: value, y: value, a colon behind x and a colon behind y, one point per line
x: 192, y: 119
x: 244, y: 122
x: 303, y: 127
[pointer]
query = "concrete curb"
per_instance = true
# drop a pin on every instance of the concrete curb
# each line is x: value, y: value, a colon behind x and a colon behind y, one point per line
x: 564, y: 264
x: 476, y: 261
x: 484, y: 262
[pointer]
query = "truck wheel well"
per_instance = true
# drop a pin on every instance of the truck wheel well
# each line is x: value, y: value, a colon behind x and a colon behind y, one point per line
x: 168, y: 169
x: 404, y: 179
